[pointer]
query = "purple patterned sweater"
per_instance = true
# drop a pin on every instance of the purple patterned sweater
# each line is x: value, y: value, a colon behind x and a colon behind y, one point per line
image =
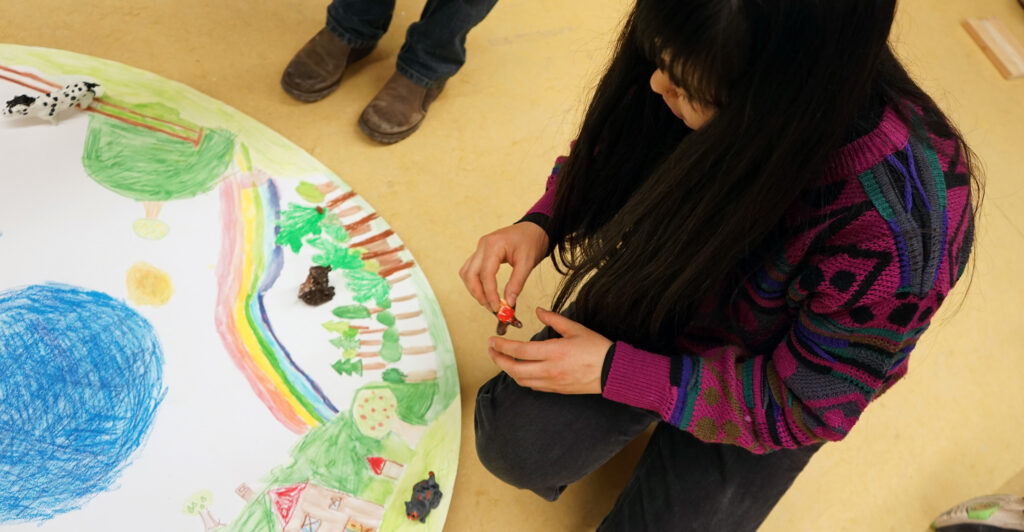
x: 827, y: 323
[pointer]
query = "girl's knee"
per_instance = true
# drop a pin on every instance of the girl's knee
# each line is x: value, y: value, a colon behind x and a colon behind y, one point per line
x: 507, y: 461
x: 495, y: 437
x: 504, y: 442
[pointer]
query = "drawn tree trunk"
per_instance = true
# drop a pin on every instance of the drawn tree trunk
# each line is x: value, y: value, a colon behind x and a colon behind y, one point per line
x: 209, y: 521
x: 199, y: 504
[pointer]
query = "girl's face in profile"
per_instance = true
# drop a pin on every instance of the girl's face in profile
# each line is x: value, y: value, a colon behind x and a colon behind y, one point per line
x: 693, y: 114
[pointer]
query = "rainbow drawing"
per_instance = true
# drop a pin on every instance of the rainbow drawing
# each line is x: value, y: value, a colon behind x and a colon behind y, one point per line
x: 250, y: 263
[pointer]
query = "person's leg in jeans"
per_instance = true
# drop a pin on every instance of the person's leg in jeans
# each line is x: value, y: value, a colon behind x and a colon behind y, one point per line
x: 435, y: 46
x: 543, y: 442
x: 434, y: 50
x: 684, y: 484
x: 360, y: 23
x: 351, y: 32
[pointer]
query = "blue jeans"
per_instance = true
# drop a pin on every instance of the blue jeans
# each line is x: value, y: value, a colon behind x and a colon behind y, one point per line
x: 435, y: 47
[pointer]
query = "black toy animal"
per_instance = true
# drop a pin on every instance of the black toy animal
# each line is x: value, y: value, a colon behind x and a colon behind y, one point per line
x: 426, y: 495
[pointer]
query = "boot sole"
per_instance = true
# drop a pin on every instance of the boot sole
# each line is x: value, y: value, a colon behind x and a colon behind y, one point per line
x: 387, y: 138
x: 309, y: 97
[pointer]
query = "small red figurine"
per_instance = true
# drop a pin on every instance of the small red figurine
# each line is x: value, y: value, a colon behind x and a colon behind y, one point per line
x: 506, y: 316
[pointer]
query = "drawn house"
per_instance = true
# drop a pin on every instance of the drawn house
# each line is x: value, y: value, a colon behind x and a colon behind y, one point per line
x: 309, y: 507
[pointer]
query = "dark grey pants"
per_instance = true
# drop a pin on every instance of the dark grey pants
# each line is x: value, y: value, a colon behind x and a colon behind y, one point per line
x: 543, y: 442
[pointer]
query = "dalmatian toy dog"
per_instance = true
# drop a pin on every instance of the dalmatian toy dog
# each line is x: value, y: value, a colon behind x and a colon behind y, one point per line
x: 48, y: 106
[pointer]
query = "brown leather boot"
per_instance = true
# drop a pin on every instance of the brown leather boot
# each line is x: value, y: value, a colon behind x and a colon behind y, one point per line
x: 316, y: 70
x: 398, y: 109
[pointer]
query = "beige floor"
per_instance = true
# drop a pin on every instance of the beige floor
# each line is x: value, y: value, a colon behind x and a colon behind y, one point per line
x: 951, y: 431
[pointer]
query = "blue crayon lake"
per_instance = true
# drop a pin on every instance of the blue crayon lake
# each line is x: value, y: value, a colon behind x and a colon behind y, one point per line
x: 81, y: 378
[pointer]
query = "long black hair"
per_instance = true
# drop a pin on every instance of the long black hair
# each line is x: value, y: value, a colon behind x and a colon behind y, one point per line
x: 649, y: 216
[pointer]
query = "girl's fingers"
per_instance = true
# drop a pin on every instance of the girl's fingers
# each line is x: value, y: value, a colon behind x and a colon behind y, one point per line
x: 521, y: 350
x: 480, y: 272
x: 517, y: 369
x: 516, y: 282
x: 472, y: 279
x: 489, y: 279
x: 562, y: 325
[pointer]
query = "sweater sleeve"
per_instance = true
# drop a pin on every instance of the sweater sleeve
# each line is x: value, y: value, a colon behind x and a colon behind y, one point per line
x: 811, y: 387
x: 546, y: 202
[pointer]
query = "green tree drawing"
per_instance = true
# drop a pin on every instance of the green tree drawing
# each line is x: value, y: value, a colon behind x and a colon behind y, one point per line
x: 348, y: 342
x: 352, y: 312
x: 366, y: 285
x: 393, y: 375
x: 337, y: 256
x: 390, y: 349
x: 296, y: 223
x: 348, y: 367
x: 199, y: 504
x: 150, y: 166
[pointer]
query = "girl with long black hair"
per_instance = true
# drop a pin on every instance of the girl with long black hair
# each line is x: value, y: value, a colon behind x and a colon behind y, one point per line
x: 757, y: 221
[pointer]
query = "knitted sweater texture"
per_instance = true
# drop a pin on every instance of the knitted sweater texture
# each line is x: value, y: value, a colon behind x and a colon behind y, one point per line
x: 827, y: 321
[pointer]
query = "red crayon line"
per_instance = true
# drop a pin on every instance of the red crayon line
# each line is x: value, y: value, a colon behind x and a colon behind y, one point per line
x: 382, y: 253
x: 362, y: 221
x: 153, y: 118
x: 361, y: 230
x: 99, y: 100
x: 393, y: 282
x: 376, y: 238
x: 388, y: 261
x: 349, y: 211
x: 413, y: 332
x: 422, y: 350
x: 23, y: 84
x: 388, y: 272
x: 30, y: 76
x: 341, y: 199
x: 327, y: 188
x: 193, y: 142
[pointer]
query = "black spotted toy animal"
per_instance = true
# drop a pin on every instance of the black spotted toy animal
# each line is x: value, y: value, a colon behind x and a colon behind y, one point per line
x: 49, y: 106
x: 426, y: 495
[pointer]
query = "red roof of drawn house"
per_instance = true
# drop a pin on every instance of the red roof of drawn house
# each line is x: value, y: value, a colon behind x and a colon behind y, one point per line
x: 284, y: 500
x: 376, y: 463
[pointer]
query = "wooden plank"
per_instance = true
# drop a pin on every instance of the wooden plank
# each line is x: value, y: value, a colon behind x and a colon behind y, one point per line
x: 999, y: 45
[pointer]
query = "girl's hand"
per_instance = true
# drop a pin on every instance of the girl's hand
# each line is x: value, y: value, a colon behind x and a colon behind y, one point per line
x: 522, y: 246
x: 568, y: 365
